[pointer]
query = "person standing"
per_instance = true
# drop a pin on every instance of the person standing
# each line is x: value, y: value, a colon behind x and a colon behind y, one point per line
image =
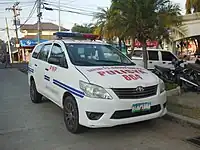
x: 7, y: 62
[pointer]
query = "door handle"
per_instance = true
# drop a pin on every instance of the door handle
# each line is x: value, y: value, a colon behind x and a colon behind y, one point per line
x: 36, y: 65
x: 164, y: 62
x: 46, y: 69
x: 150, y: 62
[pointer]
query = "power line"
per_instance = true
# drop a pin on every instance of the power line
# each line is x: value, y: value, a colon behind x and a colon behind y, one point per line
x: 30, y: 14
x: 65, y: 10
x: 72, y: 8
x: 90, y: 7
x: 5, y: 3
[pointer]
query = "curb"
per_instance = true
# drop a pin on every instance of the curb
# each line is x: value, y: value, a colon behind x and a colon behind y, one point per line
x: 182, y: 119
x: 174, y: 92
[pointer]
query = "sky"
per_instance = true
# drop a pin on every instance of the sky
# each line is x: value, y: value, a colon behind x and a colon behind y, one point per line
x: 67, y: 19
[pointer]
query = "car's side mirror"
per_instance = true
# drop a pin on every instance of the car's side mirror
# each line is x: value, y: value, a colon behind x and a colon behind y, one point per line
x: 63, y: 62
x: 54, y: 60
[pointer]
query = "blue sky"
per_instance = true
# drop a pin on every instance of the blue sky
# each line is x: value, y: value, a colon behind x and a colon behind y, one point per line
x: 67, y: 19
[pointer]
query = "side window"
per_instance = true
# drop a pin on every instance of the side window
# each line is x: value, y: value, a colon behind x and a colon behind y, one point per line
x: 37, y: 50
x: 167, y: 56
x: 137, y: 53
x: 43, y: 55
x: 57, y: 51
x: 153, y: 55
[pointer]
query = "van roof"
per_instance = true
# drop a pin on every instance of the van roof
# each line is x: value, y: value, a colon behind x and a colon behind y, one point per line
x: 152, y: 49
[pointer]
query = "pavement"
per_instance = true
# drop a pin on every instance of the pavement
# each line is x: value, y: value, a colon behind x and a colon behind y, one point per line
x: 186, y: 104
x: 14, y: 65
x: 28, y: 126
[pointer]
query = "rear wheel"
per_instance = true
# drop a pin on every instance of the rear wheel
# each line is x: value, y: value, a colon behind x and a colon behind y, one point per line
x: 71, y: 115
x: 35, y: 96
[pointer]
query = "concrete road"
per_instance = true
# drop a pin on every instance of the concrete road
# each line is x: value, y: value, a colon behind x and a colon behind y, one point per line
x: 27, y: 126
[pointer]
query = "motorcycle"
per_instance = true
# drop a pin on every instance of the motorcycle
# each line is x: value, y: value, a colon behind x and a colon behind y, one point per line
x: 190, y: 79
x: 170, y: 75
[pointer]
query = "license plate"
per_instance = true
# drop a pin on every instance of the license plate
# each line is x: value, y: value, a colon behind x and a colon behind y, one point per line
x: 140, y: 107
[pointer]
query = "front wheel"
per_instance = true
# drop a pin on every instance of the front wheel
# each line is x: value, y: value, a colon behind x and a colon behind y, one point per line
x: 71, y: 115
x: 35, y: 96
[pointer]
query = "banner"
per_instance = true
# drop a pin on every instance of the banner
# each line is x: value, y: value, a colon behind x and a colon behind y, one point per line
x: 29, y: 42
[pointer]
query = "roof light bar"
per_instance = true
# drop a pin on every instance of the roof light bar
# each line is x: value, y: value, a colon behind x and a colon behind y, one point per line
x: 62, y: 35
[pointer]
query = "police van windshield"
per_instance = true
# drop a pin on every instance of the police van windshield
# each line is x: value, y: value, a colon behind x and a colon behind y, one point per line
x: 96, y: 55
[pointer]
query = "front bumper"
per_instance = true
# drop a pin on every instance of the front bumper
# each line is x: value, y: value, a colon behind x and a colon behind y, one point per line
x: 118, y: 111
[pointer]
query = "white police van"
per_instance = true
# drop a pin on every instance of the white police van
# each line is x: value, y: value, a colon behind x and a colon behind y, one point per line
x: 94, y: 83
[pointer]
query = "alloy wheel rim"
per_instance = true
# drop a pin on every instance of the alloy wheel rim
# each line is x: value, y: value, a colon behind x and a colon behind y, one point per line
x: 70, y: 115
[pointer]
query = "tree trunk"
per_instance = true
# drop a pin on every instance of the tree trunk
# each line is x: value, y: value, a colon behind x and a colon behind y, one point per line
x: 198, y: 45
x: 124, y: 43
x: 132, y: 47
x: 120, y: 44
x: 159, y: 44
x: 145, y: 56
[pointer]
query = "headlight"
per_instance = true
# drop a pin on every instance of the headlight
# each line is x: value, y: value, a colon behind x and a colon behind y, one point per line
x: 94, y: 91
x: 162, y: 86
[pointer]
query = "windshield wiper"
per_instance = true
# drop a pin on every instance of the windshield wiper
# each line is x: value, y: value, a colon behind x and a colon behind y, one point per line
x: 108, y: 61
x: 119, y: 63
x: 84, y: 62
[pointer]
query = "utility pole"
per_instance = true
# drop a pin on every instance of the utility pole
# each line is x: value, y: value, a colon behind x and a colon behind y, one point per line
x: 16, y: 13
x: 8, y: 37
x: 59, y: 15
x: 39, y: 15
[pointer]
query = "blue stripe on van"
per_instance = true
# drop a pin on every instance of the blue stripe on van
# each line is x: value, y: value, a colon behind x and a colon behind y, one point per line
x: 46, y: 77
x: 30, y: 70
x: 69, y: 89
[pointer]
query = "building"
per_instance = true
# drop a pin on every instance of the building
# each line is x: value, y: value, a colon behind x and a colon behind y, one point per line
x: 47, y: 30
x: 30, y: 39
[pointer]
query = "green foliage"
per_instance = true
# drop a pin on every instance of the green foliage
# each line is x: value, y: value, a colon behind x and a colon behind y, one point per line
x: 139, y: 19
x: 170, y: 86
x: 86, y: 28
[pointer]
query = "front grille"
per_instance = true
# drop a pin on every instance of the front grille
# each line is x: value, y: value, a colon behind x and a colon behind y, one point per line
x: 132, y: 93
x: 121, y: 114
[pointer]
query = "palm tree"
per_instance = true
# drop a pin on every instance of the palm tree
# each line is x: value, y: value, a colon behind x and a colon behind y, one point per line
x: 102, y: 18
x: 148, y: 19
x: 110, y: 24
x: 192, y: 5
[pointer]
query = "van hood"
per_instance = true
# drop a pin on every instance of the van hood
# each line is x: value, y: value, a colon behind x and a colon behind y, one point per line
x: 119, y: 76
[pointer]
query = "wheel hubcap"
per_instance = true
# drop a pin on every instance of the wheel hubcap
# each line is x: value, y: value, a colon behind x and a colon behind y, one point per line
x: 70, y: 115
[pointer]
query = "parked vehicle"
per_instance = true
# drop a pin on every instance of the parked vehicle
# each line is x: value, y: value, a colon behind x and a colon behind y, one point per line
x: 190, y: 79
x: 170, y: 75
x: 157, y: 57
x: 94, y: 83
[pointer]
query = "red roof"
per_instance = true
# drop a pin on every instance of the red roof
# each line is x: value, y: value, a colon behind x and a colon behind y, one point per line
x: 45, y: 26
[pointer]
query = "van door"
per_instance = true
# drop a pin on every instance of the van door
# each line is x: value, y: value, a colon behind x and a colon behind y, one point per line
x: 167, y: 58
x: 153, y: 59
x: 42, y: 69
x: 58, y: 71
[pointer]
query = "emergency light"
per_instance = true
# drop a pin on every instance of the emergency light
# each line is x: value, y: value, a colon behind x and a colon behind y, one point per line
x: 75, y: 35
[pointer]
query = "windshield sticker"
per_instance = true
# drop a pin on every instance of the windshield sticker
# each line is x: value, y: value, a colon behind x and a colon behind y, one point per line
x: 128, y: 73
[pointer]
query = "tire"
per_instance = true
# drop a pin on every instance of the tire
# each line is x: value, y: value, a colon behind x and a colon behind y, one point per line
x: 71, y: 115
x: 35, y: 96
